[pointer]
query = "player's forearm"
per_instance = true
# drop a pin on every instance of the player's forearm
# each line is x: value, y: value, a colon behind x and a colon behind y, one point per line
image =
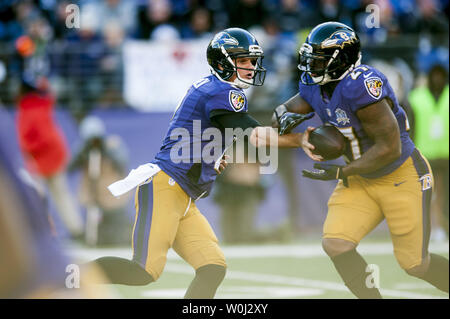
x: 297, y: 104
x: 375, y: 158
x: 267, y: 136
x: 291, y: 140
x: 293, y: 104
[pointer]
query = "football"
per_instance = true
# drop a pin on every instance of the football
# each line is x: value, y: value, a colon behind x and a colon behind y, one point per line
x: 328, y: 141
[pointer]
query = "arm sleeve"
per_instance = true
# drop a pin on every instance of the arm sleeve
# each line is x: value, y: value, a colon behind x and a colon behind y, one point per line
x: 226, y: 119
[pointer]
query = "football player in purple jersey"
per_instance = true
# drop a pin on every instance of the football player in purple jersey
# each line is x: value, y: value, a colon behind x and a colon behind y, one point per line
x: 385, y: 176
x: 166, y: 212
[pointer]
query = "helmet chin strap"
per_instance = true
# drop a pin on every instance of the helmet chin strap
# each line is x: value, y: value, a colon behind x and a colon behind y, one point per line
x: 241, y: 84
x: 325, y: 78
x: 237, y: 82
x: 350, y: 69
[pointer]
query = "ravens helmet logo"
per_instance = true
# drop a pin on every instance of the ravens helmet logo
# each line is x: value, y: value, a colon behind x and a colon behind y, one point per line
x: 222, y: 38
x: 339, y: 39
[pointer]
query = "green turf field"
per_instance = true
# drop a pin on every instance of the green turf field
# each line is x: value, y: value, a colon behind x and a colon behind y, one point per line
x: 297, y: 270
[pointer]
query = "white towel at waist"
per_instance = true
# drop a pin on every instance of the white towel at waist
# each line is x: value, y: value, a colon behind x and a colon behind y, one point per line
x: 135, y: 177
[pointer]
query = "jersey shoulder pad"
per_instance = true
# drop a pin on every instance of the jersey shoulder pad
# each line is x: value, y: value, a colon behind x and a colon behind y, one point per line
x: 367, y: 79
x: 363, y: 86
x: 237, y: 100
x: 230, y: 99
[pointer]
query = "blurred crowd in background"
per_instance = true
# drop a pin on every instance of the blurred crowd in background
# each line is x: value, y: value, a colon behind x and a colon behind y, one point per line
x: 34, y: 35
x: 84, y: 67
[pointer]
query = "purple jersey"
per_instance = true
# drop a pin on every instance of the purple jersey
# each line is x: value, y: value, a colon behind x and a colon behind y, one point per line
x: 364, y: 86
x: 190, y: 128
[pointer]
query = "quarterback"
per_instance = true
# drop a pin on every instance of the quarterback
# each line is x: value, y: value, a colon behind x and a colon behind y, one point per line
x: 167, y: 187
x: 385, y: 176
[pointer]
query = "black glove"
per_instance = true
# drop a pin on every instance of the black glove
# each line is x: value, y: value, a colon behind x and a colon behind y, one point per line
x: 326, y: 172
x: 288, y: 121
x: 277, y: 113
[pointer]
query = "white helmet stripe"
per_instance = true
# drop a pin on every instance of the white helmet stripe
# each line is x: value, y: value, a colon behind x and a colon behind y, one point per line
x: 225, y: 53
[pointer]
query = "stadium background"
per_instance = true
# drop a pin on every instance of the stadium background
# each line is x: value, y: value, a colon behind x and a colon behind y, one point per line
x: 130, y: 61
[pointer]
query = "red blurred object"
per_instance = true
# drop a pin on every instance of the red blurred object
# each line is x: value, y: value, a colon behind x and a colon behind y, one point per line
x: 25, y: 46
x: 40, y: 138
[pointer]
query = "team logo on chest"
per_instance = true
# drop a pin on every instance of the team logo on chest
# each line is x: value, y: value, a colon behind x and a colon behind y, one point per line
x: 237, y: 100
x: 374, y: 87
x: 341, y: 116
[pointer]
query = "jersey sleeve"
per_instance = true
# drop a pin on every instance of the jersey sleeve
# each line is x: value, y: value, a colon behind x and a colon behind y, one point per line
x: 235, y: 120
x: 364, y: 86
x: 227, y: 100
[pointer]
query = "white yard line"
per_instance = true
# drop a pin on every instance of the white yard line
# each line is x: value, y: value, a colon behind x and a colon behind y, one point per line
x: 413, y: 286
x: 260, y: 251
x: 296, y: 281
x: 295, y: 251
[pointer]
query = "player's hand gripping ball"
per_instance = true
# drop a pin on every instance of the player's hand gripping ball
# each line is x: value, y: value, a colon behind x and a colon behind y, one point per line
x: 328, y: 142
